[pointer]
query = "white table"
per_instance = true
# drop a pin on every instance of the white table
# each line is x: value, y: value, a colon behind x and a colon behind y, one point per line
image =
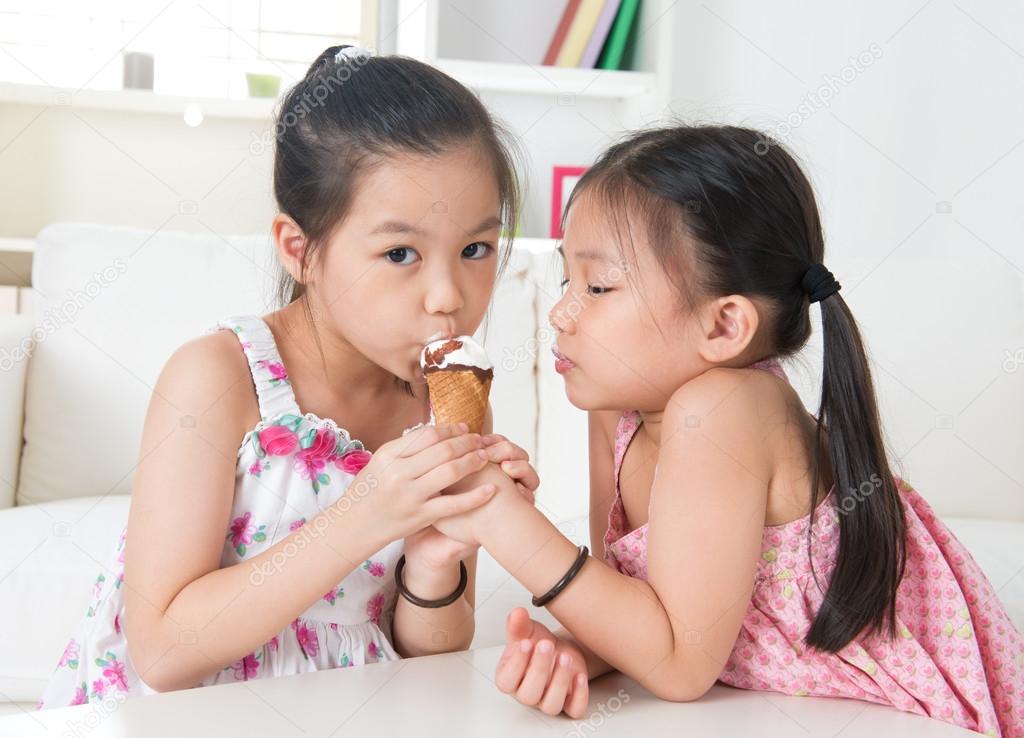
x: 454, y: 695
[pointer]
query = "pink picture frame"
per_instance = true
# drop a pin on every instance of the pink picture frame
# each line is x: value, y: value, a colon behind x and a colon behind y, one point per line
x: 564, y: 178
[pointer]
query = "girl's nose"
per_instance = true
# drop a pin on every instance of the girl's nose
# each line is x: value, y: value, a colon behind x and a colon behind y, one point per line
x: 560, y: 319
x: 443, y: 296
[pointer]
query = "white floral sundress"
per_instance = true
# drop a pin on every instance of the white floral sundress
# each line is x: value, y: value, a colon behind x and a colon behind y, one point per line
x: 291, y: 466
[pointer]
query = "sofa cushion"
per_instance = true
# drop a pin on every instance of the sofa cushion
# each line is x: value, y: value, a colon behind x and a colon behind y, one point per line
x: 50, y: 556
x: 114, y: 304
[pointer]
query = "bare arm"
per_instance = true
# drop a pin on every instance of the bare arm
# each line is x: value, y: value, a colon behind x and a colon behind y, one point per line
x: 601, y: 426
x: 185, y: 617
x: 707, y: 515
x: 419, y: 631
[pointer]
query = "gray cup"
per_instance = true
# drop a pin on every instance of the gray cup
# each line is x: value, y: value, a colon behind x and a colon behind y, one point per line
x: 138, y: 71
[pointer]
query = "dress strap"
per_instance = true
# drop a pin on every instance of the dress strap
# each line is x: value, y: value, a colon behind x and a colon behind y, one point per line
x: 273, y: 388
x: 618, y: 526
x: 771, y: 364
x: 624, y: 432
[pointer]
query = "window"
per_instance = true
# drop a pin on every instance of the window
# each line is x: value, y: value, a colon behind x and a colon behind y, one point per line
x: 200, y: 48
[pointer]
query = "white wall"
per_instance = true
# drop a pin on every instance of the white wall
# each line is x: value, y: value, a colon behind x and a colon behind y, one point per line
x: 130, y: 168
x: 917, y: 164
x: 938, y: 115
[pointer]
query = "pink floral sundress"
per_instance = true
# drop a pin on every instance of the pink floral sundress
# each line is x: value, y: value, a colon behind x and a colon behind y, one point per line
x: 958, y: 657
x: 290, y: 467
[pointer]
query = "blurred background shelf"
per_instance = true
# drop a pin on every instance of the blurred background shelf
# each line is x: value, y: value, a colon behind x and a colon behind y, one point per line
x: 135, y: 101
x: 538, y: 79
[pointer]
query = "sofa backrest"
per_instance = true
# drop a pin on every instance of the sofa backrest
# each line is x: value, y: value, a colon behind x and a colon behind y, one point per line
x: 112, y: 304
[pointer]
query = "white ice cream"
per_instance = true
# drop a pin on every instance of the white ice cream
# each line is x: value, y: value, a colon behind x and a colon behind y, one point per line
x: 470, y: 353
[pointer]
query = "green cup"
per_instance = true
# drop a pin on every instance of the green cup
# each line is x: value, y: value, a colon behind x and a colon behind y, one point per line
x: 262, y: 85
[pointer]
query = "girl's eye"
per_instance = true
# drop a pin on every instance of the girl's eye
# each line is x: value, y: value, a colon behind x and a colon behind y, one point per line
x: 565, y: 283
x: 399, y: 255
x: 596, y: 290
x: 476, y: 251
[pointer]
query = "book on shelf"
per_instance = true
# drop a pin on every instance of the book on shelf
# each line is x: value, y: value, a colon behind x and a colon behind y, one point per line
x: 600, y: 34
x: 613, y: 54
x: 560, y: 32
x: 580, y: 31
x: 594, y: 34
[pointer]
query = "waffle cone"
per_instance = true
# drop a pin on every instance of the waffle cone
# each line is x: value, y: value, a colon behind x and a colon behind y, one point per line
x: 458, y: 396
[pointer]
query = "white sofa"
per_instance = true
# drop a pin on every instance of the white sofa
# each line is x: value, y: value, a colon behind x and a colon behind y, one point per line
x: 111, y: 304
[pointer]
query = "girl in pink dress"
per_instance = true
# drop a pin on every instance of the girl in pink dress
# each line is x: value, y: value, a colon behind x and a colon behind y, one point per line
x: 737, y: 537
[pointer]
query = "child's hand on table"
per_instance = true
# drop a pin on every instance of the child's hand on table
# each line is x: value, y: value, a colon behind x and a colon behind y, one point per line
x: 542, y: 670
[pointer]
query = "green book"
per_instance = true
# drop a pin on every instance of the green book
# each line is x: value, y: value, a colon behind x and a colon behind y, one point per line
x: 612, y: 53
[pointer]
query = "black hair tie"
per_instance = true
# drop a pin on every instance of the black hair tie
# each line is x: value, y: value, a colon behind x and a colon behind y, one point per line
x: 819, y: 283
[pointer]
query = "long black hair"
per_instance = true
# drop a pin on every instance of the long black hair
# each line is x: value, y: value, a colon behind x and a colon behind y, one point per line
x: 354, y: 109
x: 729, y: 211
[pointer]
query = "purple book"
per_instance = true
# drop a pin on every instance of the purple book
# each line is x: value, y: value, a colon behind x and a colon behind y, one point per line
x: 600, y: 34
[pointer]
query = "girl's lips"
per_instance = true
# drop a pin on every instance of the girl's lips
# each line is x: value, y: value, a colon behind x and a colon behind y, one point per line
x: 562, y: 363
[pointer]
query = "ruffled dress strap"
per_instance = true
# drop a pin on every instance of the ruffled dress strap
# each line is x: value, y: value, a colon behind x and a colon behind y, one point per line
x: 269, y: 377
x: 618, y: 526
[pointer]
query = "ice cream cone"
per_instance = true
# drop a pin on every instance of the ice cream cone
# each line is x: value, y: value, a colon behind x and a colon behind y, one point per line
x: 459, y: 377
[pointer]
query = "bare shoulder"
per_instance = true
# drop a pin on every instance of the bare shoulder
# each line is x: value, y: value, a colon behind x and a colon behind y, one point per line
x: 725, y: 392
x: 737, y: 409
x: 208, y: 382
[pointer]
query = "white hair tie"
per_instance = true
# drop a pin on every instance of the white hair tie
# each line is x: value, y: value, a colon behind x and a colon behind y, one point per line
x: 352, y: 52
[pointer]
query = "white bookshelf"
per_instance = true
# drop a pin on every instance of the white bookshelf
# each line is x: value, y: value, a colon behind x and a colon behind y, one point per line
x: 497, y: 46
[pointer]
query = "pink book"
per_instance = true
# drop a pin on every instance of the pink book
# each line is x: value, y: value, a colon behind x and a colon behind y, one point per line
x: 597, y: 39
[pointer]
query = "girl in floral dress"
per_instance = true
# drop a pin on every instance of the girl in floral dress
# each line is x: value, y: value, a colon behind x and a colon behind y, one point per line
x: 263, y: 536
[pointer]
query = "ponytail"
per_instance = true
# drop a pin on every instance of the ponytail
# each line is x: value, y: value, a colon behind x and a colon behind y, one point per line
x: 742, y: 202
x: 871, y: 549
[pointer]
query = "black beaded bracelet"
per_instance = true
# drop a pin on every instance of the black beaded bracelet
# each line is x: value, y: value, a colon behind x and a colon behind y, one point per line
x: 419, y: 601
x: 577, y: 565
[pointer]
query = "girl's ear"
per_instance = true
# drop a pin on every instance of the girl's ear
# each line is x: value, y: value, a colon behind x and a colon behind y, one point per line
x: 728, y: 326
x: 290, y: 243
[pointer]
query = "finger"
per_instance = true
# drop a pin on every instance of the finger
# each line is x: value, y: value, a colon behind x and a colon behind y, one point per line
x: 518, y: 625
x: 512, y: 665
x: 427, y: 436
x: 505, y: 451
x: 555, y: 695
x: 576, y: 705
x: 527, y: 493
x: 444, y: 506
x: 523, y: 472
x: 442, y: 452
x: 531, y: 689
x: 492, y: 438
x: 437, y: 480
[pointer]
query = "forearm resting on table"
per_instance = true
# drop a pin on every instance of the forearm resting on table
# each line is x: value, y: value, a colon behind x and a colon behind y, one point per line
x: 619, y: 619
x: 228, y: 613
x: 421, y: 631
x: 596, y: 666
